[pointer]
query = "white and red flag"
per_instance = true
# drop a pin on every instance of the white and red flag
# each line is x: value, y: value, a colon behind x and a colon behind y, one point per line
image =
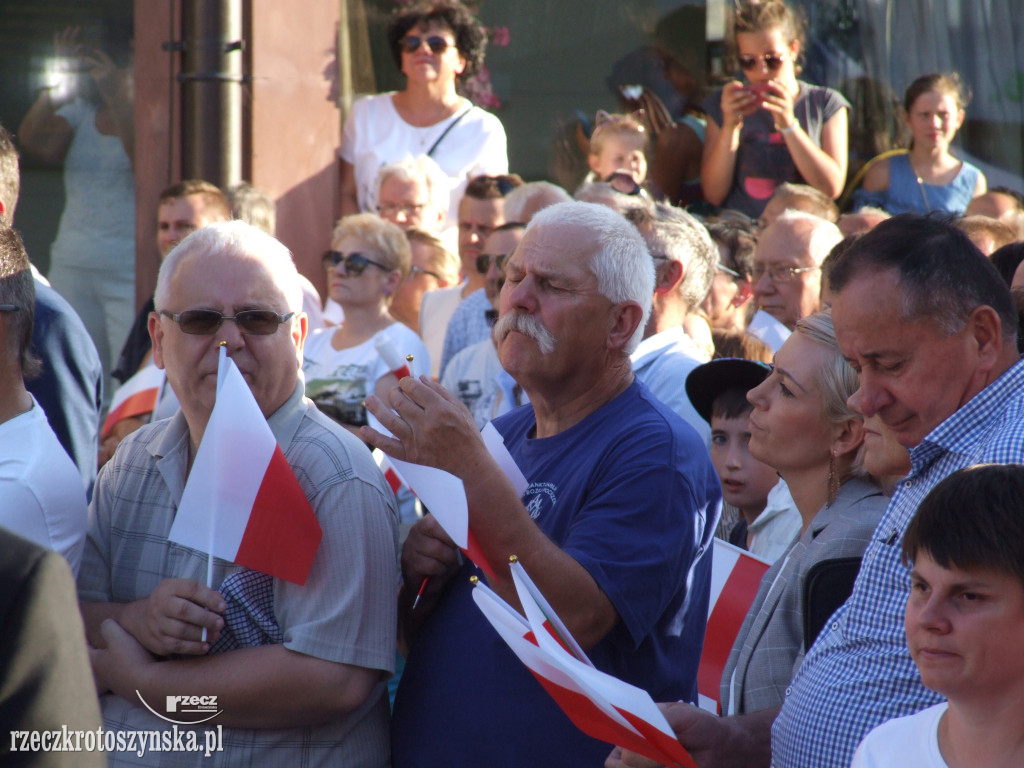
x: 397, y: 365
x: 137, y: 396
x: 735, y: 578
x: 242, y: 501
x: 600, y: 705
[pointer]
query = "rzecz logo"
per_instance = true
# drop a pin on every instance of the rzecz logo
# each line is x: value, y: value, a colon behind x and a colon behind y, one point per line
x: 194, y: 709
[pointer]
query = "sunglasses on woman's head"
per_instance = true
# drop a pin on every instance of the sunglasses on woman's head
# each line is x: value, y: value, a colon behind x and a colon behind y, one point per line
x: 772, y: 61
x: 354, y: 263
x: 203, y: 322
x: 436, y: 43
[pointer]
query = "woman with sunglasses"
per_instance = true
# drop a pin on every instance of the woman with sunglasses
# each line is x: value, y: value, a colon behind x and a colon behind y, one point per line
x: 437, y: 46
x: 773, y: 127
x: 368, y: 260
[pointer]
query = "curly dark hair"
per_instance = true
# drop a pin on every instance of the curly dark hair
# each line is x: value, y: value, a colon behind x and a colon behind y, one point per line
x: 470, y: 36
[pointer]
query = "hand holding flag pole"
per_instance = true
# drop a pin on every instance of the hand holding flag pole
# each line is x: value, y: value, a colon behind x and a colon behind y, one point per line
x: 242, y: 502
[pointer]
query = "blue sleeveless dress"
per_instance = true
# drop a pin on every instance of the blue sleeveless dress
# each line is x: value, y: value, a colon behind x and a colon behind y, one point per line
x: 905, y: 195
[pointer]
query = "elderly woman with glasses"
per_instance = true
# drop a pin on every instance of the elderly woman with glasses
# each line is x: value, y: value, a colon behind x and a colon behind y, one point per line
x: 437, y: 46
x: 368, y: 352
x: 772, y: 127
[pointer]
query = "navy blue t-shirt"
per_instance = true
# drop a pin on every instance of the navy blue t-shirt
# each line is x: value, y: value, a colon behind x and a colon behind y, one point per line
x: 630, y: 493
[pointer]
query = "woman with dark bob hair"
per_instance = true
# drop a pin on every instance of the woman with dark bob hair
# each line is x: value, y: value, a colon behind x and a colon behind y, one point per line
x: 437, y: 46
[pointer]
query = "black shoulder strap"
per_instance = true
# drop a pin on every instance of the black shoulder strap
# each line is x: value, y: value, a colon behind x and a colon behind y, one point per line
x: 452, y: 124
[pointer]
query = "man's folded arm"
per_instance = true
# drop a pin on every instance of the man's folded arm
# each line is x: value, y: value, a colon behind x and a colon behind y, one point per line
x: 266, y: 686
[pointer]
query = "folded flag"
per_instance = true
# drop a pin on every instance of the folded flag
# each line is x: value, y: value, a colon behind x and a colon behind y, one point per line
x: 600, y: 705
x: 242, y: 501
x: 595, y: 717
x: 735, y: 579
x: 137, y: 396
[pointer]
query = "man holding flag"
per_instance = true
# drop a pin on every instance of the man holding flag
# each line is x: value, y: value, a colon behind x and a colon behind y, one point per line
x: 614, y: 526
x: 296, y: 643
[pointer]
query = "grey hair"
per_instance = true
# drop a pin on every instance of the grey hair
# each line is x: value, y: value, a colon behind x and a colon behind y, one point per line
x: 253, y: 206
x: 419, y: 168
x: 822, y: 205
x: 679, y: 236
x: 818, y: 235
x: 837, y: 380
x: 523, y: 202
x: 238, y: 239
x: 605, y: 194
x: 617, y: 255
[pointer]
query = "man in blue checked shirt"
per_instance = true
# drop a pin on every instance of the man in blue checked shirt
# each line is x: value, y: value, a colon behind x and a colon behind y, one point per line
x: 930, y: 326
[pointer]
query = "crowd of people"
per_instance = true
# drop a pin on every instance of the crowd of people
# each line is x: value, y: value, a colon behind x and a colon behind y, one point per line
x: 813, y: 382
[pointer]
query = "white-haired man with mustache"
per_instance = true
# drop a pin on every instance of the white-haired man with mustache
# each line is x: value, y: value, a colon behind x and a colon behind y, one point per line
x: 614, y: 526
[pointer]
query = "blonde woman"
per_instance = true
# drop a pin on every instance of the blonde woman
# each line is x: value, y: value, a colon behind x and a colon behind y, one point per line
x: 368, y: 260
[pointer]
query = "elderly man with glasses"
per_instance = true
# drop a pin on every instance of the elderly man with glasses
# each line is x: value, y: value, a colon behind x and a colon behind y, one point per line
x: 787, y: 273
x: 311, y: 691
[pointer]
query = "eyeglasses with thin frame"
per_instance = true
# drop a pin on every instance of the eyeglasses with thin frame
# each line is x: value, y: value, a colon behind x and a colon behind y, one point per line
x: 350, y: 264
x: 203, y: 322
x: 436, y: 43
x: 388, y: 210
x: 414, y: 270
x: 9, y: 308
x: 730, y: 272
x: 483, y: 262
x: 779, y: 274
x: 772, y: 61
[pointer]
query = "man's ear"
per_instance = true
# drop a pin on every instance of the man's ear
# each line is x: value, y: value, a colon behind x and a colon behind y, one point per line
x: 623, y: 321
x: 986, y: 329
x: 300, y: 330
x: 668, y: 275
x: 743, y: 295
x: 156, y: 335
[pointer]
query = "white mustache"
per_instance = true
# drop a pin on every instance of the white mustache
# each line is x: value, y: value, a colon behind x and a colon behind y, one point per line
x: 528, y: 325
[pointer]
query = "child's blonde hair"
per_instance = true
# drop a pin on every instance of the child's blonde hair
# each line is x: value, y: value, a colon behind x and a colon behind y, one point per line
x: 619, y: 126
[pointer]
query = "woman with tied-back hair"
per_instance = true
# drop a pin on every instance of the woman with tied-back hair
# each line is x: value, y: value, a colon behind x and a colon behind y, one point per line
x: 773, y: 127
x: 927, y: 177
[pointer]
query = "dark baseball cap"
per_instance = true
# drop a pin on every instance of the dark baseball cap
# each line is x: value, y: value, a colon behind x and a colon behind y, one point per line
x: 709, y: 380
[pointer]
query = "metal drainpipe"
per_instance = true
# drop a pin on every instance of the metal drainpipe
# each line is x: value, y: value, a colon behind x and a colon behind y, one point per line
x: 211, y: 91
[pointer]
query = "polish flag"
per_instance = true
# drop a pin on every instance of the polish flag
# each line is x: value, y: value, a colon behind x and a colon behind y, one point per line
x: 242, y: 502
x: 135, y: 397
x: 600, y: 705
x: 588, y: 711
x: 384, y: 463
x: 735, y: 579
x: 397, y: 365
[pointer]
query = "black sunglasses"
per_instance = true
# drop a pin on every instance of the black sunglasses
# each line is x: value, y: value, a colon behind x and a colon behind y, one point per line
x: 771, y: 60
x: 483, y: 262
x: 436, y: 43
x: 355, y: 263
x: 203, y: 322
